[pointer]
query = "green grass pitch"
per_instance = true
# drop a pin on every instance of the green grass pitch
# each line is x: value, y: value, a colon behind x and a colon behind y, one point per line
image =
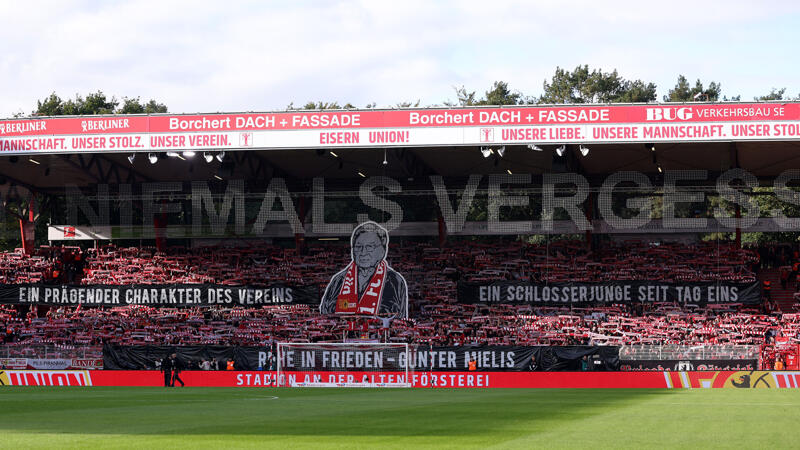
x: 396, y: 418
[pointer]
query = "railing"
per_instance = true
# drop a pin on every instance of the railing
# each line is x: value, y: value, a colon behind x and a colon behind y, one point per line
x: 683, y: 352
x: 50, y: 351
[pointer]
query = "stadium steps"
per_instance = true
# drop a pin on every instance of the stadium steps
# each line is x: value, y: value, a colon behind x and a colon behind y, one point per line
x: 783, y: 298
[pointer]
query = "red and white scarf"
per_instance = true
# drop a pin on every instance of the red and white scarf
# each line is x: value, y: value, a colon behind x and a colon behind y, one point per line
x: 347, y: 302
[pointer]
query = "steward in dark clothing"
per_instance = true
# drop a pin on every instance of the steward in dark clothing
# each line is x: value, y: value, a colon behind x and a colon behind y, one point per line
x: 166, y: 367
x: 177, y: 366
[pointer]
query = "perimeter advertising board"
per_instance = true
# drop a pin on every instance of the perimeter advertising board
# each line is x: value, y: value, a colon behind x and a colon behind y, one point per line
x: 407, y: 127
x: 478, y: 380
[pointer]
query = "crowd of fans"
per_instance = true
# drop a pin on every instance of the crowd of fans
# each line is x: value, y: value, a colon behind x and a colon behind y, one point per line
x: 432, y: 274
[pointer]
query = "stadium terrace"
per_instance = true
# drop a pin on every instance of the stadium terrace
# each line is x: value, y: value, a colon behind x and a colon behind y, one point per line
x: 615, y: 245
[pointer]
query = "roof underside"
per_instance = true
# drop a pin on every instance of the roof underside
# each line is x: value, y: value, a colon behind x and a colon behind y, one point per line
x: 763, y: 159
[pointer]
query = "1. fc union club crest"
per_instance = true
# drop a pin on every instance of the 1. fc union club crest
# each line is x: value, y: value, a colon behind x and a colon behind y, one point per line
x: 368, y: 285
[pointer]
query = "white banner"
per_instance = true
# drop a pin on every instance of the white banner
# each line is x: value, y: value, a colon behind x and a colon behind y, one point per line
x: 49, y: 364
x: 406, y: 127
x: 409, y: 137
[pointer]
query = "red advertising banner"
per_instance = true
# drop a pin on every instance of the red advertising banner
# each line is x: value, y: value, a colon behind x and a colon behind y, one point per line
x: 406, y: 127
x: 653, y: 380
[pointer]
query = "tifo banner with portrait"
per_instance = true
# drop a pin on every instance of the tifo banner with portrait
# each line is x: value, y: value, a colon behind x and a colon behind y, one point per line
x: 511, y: 292
x: 476, y: 380
x: 416, y: 127
x: 368, y: 285
x: 157, y: 295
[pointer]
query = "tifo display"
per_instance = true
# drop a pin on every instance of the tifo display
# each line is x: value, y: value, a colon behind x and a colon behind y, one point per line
x: 635, y: 245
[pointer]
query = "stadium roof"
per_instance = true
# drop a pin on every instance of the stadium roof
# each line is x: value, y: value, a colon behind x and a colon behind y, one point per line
x: 438, y: 141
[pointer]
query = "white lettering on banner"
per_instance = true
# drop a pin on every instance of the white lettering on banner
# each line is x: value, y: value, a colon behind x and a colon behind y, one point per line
x: 103, y: 124
x: 458, y: 380
x: 764, y: 111
x: 441, y: 118
x: 255, y: 122
x: 257, y: 379
x: 326, y: 120
x: 499, y: 117
x: 666, y: 113
x: 435, y: 379
x: 45, y: 378
x: 22, y: 127
x: 204, y: 123
x: 606, y: 293
x: 156, y: 295
x: 573, y: 115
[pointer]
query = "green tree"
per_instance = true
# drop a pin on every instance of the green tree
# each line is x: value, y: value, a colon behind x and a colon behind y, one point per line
x: 769, y: 204
x: 774, y: 94
x: 323, y: 105
x: 95, y: 103
x: 135, y: 106
x: 402, y: 105
x: 583, y: 85
x: 465, y: 98
x: 684, y: 92
x: 500, y: 94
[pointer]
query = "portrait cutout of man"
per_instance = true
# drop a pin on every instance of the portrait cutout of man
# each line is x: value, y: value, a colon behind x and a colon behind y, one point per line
x: 367, y: 286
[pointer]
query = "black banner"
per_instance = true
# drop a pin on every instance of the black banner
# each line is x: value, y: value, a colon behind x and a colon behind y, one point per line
x: 576, y: 358
x: 330, y: 358
x: 508, y: 292
x: 517, y: 358
x: 158, y: 295
x: 688, y: 364
x: 149, y: 357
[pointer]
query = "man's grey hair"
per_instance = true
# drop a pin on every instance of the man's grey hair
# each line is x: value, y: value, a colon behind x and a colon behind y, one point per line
x: 373, y: 227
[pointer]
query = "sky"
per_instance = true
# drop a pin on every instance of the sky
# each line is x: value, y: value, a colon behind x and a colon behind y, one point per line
x: 213, y: 56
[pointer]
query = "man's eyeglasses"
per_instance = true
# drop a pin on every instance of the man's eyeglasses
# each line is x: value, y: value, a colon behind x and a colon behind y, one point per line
x: 368, y: 247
